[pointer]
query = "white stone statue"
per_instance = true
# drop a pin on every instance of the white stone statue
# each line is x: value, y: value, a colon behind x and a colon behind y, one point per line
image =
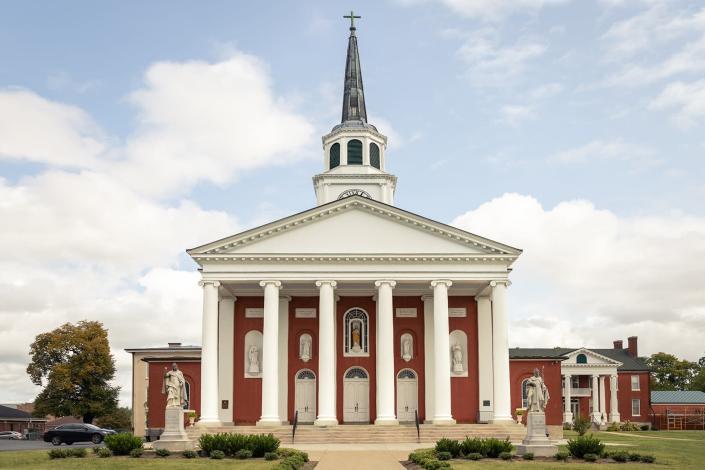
x: 174, y: 387
x: 536, y: 393
x: 457, y: 358
x: 305, y: 348
x: 406, y: 353
x: 253, y: 357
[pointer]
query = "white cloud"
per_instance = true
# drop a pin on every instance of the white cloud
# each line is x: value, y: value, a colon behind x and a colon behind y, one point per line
x: 605, y: 150
x: 688, y: 99
x: 493, y: 10
x: 515, y: 114
x: 593, y: 276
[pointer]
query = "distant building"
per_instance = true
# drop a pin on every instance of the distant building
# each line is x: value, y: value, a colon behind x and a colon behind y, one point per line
x: 14, y: 419
x: 680, y: 410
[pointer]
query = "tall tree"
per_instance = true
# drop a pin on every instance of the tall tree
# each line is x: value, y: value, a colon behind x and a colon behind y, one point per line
x: 699, y: 380
x: 670, y: 373
x: 119, y: 419
x: 74, y: 364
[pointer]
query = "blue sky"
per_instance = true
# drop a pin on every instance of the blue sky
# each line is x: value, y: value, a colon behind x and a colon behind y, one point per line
x: 573, y: 129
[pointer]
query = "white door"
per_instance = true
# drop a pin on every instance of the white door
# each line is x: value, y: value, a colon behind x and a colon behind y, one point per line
x: 356, y: 396
x: 305, y: 396
x: 407, y: 396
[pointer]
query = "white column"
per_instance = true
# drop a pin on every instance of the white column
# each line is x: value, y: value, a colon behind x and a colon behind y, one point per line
x: 385, y: 353
x: 226, y: 334
x: 603, y: 408
x: 567, y: 413
x: 209, y: 355
x: 500, y: 353
x: 326, y: 354
x: 595, y: 399
x: 270, y: 355
x: 429, y: 374
x: 484, y: 352
x: 614, y: 407
x: 284, y: 357
x: 441, y: 352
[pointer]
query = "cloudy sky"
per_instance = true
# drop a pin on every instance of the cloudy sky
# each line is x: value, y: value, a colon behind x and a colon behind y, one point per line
x: 130, y: 131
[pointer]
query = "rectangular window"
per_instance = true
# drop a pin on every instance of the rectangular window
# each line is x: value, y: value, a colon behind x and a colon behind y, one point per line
x: 575, y: 382
x: 635, y: 383
x: 636, y: 407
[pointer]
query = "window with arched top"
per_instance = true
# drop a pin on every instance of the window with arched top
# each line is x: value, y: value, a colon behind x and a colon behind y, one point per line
x: 187, y: 398
x: 356, y: 333
x: 334, y: 155
x: 356, y: 373
x: 354, y: 152
x: 524, y: 393
x: 581, y: 359
x: 306, y: 374
x: 374, y: 155
x: 406, y: 374
x: 354, y: 192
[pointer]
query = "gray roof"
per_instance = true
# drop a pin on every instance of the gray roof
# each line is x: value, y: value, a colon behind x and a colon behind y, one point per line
x: 354, y: 108
x: 672, y: 397
x: 629, y: 363
x: 13, y: 413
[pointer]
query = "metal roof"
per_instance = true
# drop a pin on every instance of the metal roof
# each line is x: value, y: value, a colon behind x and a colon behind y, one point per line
x: 629, y: 363
x: 354, y: 108
x: 679, y: 397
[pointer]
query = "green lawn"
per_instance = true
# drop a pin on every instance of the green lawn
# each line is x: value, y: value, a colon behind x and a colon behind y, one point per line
x: 39, y: 459
x: 673, y: 449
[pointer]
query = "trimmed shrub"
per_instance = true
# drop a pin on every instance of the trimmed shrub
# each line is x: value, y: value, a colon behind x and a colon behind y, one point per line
x: 562, y: 456
x: 189, y: 454
x: 628, y: 426
x: 567, y: 427
x: 163, y: 453
x: 136, y: 453
x: 505, y: 456
x: 271, y: 456
x: 620, y: 456
x: 634, y: 457
x: 291, y: 459
x: 493, y: 448
x: 472, y: 446
x: 260, y: 444
x: 96, y: 449
x: 648, y: 458
x: 448, y: 445
x: 528, y: 456
x: 243, y: 454
x: 78, y: 452
x: 582, y: 445
x: 122, y: 443
x: 590, y: 457
x: 474, y: 456
x: 218, y: 454
x: 443, y: 455
x: 104, y: 453
x: 581, y: 424
x: 231, y: 443
x: 613, y: 427
x: 418, y: 455
x: 58, y: 454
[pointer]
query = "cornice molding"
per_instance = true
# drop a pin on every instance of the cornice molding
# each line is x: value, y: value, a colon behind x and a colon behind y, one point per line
x: 381, y: 259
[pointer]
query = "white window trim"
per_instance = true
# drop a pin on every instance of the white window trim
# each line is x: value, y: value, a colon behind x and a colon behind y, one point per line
x: 638, y: 383
x: 521, y: 394
x: 638, y: 402
x: 365, y: 334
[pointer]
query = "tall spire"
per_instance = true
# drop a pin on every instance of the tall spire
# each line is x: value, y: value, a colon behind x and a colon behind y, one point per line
x: 353, y: 94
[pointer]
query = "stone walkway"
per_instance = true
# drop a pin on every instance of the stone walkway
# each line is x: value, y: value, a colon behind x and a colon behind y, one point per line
x: 356, y: 456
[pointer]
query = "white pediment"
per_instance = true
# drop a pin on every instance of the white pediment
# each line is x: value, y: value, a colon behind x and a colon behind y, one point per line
x: 356, y: 226
x: 593, y: 359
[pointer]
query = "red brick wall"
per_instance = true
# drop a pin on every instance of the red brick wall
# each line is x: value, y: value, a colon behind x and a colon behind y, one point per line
x: 551, y: 370
x: 679, y: 409
x: 247, y: 392
x: 297, y: 327
x: 625, y: 396
x: 156, y: 400
x: 465, y: 401
x: 20, y: 426
x: 413, y: 326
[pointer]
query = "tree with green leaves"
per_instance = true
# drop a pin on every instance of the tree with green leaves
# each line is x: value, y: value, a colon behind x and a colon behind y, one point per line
x: 119, y: 419
x: 670, y: 373
x: 74, y: 365
x: 699, y: 379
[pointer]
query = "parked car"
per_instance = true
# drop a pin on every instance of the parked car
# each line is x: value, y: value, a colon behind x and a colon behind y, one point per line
x: 14, y: 435
x: 76, y: 432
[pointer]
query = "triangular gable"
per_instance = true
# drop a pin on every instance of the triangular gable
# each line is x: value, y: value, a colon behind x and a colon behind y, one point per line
x: 355, y: 225
x: 599, y: 359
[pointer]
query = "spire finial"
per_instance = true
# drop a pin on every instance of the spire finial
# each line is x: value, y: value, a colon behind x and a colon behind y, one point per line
x: 352, y: 18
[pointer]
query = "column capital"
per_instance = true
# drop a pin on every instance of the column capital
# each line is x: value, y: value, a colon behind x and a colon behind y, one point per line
x: 438, y: 282
x: 276, y: 284
x: 595, y: 376
x: 203, y: 283
x: 505, y: 282
x: 567, y: 375
x: 327, y: 282
x: 388, y: 282
x: 285, y: 297
x: 426, y: 297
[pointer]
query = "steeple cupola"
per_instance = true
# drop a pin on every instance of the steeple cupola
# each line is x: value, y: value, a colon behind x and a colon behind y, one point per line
x: 354, y: 150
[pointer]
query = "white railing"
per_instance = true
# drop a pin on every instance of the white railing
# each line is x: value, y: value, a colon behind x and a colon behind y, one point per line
x: 579, y: 392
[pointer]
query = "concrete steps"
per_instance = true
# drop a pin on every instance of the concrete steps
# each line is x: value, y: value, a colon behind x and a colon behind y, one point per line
x: 349, y: 434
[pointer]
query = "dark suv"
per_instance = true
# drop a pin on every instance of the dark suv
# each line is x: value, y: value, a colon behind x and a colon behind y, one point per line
x: 76, y: 432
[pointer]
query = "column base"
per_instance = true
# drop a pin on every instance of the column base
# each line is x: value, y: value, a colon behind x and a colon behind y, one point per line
x: 386, y: 422
x: 615, y: 418
x: 486, y: 416
x: 326, y: 422
x: 597, y: 418
x: 443, y: 421
x: 568, y: 417
x: 269, y: 422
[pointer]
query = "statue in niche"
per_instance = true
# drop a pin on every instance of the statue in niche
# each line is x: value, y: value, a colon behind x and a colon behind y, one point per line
x: 253, y: 359
x: 356, y: 345
x: 305, y: 348
x: 457, y: 358
x: 174, y: 387
x: 536, y: 393
x: 406, y: 353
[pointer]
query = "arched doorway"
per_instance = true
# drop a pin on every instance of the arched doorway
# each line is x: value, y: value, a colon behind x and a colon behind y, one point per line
x: 356, y: 396
x: 407, y: 395
x: 305, y: 395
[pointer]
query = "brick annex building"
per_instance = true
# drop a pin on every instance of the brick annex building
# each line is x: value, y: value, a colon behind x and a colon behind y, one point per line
x: 357, y: 311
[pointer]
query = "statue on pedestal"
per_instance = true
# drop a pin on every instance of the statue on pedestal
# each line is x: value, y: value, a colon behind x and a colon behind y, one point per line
x: 536, y: 440
x: 536, y: 393
x: 174, y: 387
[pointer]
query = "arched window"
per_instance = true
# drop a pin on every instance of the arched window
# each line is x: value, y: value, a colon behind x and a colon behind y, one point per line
x: 581, y: 359
x: 354, y: 152
x: 334, y: 155
x: 406, y: 374
x: 354, y: 192
x: 356, y: 332
x: 187, y: 398
x: 374, y: 155
x: 306, y: 374
x: 524, y: 393
x: 356, y: 373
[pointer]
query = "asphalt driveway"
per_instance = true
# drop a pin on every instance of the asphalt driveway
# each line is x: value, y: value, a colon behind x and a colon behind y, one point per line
x: 6, y: 444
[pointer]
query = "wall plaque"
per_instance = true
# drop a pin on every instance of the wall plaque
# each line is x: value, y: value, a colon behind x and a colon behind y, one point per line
x: 305, y: 313
x: 406, y: 312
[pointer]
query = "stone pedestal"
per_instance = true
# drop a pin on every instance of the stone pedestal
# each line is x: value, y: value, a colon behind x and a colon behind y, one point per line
x: 174, y: 436
x: 536, y: 440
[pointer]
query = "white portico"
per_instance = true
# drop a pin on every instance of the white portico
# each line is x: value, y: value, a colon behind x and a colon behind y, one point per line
x: 356, y: 306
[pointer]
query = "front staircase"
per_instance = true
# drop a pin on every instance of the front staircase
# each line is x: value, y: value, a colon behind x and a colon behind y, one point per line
x: 370, y: 434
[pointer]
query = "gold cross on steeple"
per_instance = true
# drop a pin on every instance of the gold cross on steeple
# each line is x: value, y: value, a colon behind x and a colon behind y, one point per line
x: 352, y: 19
